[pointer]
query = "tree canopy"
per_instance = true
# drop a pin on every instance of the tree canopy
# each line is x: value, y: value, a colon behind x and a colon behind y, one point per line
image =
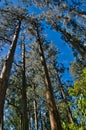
x: 42, y: 65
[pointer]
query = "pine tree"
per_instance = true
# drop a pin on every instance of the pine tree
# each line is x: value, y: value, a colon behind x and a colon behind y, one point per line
x: 5, y: 73
x: 53, y: 112
x: 24, y: 95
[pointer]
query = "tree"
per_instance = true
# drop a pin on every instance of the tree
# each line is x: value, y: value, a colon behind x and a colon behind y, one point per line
x: 24, y: 95
x: 67, y: 36
x: 69, y: 113
x: 61, y: 15
x: 56, y: 71
x: 13, y: 103
x: 35, y: 109
x: 53, y: 112
x: 79, y: 92
x: 76, y: 68
x: 36, y: 80
x: 5, y: 73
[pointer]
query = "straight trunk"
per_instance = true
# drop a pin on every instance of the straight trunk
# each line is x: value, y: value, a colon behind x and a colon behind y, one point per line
x: 21, y: 122
x: 69, y: 114
x: 4, y: 77
x: 35, y: 111
x: 24, y: 96
x: 29, y: 120
x: 53, y: 112
x: 35, y: 115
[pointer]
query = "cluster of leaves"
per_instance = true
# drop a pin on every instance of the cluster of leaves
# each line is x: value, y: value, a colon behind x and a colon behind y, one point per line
x: 78, y: 92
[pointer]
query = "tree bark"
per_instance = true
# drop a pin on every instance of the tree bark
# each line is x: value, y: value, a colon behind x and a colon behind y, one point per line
x: 53, y: 112
x: 4, y: 77
x: 25, y: 120
x: 35, y: 115
x: 35, y: 111
x: 69, y: 114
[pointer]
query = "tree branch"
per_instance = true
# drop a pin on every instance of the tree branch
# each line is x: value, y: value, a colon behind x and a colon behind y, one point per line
x: 5, y: 39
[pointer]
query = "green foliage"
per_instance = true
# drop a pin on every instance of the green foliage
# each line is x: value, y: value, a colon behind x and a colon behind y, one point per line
x: 79, y: 94
x: 61, y: 19
x: 79, y: 86
x: 12, y: 119
x: 71, y: 127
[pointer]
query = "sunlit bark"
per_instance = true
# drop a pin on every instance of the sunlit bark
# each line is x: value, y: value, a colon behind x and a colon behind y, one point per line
x: 4, y: 77
x: 53, y: 112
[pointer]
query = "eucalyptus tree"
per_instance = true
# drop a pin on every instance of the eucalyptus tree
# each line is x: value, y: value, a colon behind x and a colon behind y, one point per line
x: 15, y: 17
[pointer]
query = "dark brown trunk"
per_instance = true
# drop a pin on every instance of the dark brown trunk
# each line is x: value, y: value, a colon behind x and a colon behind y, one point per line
x: 35, y: 111
x: 4, y: 77
x: 53, y: 112
x: 24, y: 96
x: 73, y: 41
x: 69, y: 114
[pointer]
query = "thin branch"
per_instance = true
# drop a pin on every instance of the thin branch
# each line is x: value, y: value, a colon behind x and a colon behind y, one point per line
x: 5, y: 39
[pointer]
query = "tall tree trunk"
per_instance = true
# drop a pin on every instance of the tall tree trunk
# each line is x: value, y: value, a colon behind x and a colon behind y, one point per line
x: 53, y: 112
x: 21, y: 122
x: 35, y: 111
x: 35, y: 114
x: 24, y: 96
x: 69, y: 114
x: 4, y: 77
x: 29, y: 120
x: 73, y: 41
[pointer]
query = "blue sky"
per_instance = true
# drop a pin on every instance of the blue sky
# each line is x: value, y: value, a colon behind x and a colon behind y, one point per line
x: 65, y: 55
